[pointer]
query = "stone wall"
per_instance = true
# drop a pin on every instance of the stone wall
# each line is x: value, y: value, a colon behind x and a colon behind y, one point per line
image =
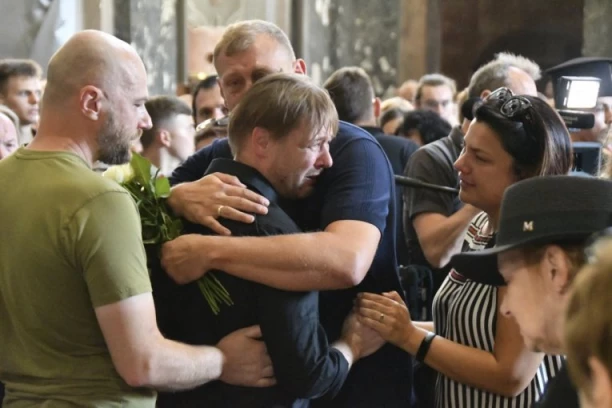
x: 36, y: 28
x: 392, y: 40
x: 331, y: 34
x: 151, y: 28
x: 395, y: 40
x: 549, y: 32
x: 597, y: 28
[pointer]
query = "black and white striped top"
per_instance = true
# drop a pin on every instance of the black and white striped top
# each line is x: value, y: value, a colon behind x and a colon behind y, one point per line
x: 465, y: 312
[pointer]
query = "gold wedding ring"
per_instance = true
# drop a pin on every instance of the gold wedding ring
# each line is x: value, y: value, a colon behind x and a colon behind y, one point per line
x: 219, y: 210
x: 381, y: 318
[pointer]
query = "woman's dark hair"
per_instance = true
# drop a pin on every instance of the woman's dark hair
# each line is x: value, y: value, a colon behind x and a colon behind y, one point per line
x: 469, y: 106
x: 535, y: 136
x: 430, y: 125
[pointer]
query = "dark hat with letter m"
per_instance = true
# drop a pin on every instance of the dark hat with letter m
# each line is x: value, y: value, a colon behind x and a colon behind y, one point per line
x: 541, y: 210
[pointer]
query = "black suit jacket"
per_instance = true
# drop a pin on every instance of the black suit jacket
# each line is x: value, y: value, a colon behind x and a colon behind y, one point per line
x: 305, y: 365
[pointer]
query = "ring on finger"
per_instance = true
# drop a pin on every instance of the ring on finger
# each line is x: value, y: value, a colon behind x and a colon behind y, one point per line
x: 219, y: 210
x: 381, y: 318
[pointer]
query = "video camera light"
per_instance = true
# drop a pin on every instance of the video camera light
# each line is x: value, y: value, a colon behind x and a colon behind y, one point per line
x: 577, y: 92
x: 577, y: 85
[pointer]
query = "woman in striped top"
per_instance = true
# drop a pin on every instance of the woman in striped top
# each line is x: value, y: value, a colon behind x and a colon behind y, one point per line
x: 479, y: 354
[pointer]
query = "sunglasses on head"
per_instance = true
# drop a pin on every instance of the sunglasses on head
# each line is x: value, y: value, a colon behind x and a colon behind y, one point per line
x: 514, y: 107
x: 511, y: 106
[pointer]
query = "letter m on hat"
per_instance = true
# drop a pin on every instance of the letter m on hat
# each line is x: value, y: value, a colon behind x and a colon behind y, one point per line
x: 527, y: 226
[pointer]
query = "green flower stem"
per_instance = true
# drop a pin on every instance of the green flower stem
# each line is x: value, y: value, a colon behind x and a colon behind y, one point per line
x: 159, y: 225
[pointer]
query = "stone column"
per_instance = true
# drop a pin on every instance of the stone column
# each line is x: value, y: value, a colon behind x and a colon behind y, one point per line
x: 597, y: 28
x: 335, y: 33
x: 419, y: 47
x: 151, y: 28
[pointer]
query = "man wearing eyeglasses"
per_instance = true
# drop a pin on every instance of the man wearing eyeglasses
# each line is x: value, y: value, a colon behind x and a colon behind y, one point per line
x: 436, y: 93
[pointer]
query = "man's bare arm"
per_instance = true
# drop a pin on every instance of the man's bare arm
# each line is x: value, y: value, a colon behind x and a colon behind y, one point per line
x: 336, y: 258
x: 144, y: 358
x: 441, y: 237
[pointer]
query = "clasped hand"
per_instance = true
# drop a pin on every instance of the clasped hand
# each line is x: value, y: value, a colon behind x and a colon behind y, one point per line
x: 362, y: 340
x: 200, y: 201
x: 204, y: 201
x: 246, y: 359
x: 387, y: 314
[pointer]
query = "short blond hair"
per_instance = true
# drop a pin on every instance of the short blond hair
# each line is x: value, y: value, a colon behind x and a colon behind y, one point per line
x: 280, y: 103
x: 588, y: 326
x: 396, y: 102
x: 238, y: 37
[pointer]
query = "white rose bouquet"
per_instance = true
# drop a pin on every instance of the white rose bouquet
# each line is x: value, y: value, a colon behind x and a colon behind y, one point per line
x: 150, y: 191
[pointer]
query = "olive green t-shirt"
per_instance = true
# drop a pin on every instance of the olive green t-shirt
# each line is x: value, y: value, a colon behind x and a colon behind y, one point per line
x: 69, y: 242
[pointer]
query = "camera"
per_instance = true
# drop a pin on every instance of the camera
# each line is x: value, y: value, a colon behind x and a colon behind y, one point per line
x: 577, y: 85
x: 572, y: 94
x: 577, y: 92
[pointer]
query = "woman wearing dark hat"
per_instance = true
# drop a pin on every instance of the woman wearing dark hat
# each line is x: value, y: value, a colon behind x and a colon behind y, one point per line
x: 540, y: 248
x: 479, y: 353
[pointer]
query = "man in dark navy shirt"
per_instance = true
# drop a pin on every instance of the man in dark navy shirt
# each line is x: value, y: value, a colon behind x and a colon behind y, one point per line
x: 279, y: 150
x: 353, y: 95
x: 352, y: 210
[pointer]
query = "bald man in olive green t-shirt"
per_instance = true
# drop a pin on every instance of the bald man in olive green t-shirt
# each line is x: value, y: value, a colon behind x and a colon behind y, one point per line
x: 77, y: 320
